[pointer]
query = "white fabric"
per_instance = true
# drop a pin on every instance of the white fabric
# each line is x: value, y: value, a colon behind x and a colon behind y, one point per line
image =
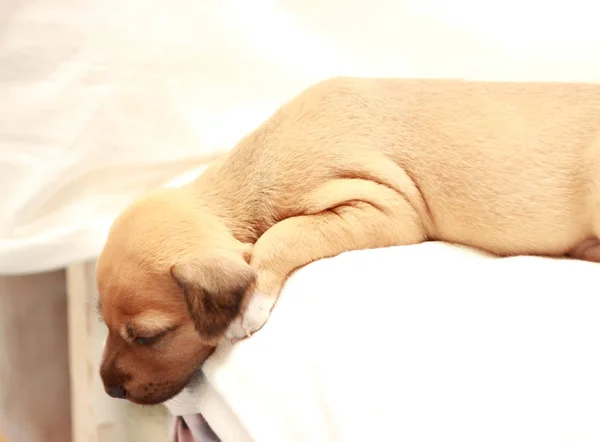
x: 425, y: 343
x: 101, y: 100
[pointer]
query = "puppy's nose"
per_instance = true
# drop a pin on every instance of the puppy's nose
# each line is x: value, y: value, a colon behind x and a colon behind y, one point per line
x: 117, y: 392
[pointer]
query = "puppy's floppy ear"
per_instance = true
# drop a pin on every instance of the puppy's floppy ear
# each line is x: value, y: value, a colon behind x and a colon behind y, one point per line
x: 214, y: 285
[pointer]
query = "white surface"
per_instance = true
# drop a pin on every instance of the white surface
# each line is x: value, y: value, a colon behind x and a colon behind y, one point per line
x: 423, y: 343
x: 101, y: 100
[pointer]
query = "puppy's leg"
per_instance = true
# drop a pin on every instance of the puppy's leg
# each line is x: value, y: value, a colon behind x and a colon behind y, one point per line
x: 589, y: 250
x: 294, y: 242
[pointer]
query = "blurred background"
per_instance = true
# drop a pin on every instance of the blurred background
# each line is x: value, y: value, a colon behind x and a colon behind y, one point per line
x: 103, y: 100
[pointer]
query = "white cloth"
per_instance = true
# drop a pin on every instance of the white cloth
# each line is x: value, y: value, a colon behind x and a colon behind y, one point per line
x: 101, y: 100
x: 423, y: 343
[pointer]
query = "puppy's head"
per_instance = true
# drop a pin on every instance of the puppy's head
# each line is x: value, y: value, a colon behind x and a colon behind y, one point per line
x: 170, y: 282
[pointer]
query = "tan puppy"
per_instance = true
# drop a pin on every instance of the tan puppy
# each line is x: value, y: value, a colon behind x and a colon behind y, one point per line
x: 512, y: 168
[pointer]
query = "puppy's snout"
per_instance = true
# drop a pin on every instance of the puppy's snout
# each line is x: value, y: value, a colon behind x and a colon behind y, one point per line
x: 116, y: 392
x: 114, y: 380
x: 114, y: 385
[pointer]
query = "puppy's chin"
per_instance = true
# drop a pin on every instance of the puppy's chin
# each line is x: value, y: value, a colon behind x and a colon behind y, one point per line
x: 155, y: 393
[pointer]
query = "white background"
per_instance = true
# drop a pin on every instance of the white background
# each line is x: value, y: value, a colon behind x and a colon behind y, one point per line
x: 101, y: 100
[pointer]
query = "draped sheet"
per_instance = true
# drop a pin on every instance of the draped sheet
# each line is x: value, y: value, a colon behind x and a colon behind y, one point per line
x: 102, y: 100
x: 422, y: 343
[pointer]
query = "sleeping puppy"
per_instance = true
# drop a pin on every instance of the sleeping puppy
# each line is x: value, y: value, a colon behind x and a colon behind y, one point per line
x: 511, y: 168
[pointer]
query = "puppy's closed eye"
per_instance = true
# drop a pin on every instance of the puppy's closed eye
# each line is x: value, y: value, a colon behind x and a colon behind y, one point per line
x: 147, y: 331
x: 149, y: 340
x: 214, y: 285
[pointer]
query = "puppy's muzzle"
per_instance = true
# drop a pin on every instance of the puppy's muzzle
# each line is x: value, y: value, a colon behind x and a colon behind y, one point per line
x: 114, y: 381
x: 114, y: 385
x: 116, y: 392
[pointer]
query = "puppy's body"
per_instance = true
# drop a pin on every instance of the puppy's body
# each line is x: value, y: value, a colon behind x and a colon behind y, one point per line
x: 508, y: 167
x: 360, y: 163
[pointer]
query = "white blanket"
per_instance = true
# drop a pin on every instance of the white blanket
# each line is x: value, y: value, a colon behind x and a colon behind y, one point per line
x: 423, y: 343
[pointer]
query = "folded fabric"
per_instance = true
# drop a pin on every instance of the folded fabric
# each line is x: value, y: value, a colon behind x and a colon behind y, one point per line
x: 191, y: 428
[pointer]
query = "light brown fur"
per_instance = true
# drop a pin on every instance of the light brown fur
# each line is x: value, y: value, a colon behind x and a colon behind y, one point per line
x: 512, y: 168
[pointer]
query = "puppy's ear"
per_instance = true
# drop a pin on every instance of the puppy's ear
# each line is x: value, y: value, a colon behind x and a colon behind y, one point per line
x: 214, y: 286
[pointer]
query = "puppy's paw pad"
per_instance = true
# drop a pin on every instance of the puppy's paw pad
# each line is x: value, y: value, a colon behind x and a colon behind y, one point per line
x: 253, y: 319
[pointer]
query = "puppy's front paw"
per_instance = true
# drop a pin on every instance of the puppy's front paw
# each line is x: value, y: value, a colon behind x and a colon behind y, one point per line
x: 253, y: 318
